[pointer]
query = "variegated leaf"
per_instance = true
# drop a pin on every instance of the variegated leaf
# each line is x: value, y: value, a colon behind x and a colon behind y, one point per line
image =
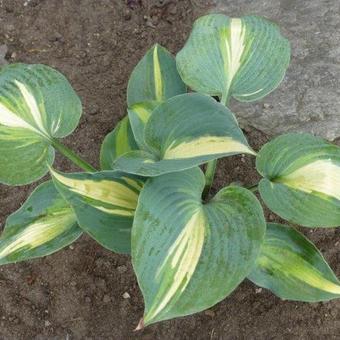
x: 302, y: 179
x: 104, y: 203
x: 183, y: 132
x: 139, y: 115
x: 43, y: 225
x: 293, y: 268
x: 155, y: 78
x: 245, y: 58
x: 118, y: 142
x: 189, y: 255
x: 37, y: 104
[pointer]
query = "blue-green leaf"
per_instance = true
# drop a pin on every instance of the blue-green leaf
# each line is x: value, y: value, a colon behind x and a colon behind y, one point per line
x: 301, y: 179
x: 37, y: 104
x: 104, y: 203
x: 118, y: 142
x: 183, y: 132
x: 155, y: 78
x: 245, y: 58
x: 293, y: 268
x: 43, y: 225
x: 189, y: 255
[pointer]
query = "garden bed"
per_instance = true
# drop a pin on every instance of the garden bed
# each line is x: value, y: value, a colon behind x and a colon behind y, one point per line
x: 84, y: 291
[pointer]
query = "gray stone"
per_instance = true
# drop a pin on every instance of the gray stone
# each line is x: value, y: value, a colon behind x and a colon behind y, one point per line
x: 308, y: 99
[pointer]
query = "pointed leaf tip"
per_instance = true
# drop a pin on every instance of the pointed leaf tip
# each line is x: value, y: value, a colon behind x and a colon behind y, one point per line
x: 140, y: 325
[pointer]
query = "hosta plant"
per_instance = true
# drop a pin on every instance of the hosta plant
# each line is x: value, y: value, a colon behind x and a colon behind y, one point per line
x: 150, y: 198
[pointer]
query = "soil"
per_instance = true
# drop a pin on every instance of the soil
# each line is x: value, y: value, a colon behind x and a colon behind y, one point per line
x: 78, y: 293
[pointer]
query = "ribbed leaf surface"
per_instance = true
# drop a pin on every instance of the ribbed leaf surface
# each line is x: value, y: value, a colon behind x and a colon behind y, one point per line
x: 155, y: 78
x: 302, y: 179
x: 36, y: 104
x: 293, y: 268
x: 104, y: 203
x: 188, y: 255
x: 183, y: 132
x: 43, y: 225
x: 245, y: 58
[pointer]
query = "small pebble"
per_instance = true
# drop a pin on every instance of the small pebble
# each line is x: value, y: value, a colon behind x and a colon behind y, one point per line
x: 121, y: 269
x: 210, y: 313
x: 73, y: 283
x: 173, y: 10
x: 93, y: 109
x: 258, y: 290
x: 126, y: 295
x: 266, y: 106
x: 47, y: 323
x: 127, y: 15
x: 106, y: 298
x: 9, y: 27
x: 56, y: 36
x: 100, y: 284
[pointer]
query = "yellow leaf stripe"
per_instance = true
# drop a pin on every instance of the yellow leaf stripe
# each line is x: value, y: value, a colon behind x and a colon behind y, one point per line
x: 232, y: 47
x: 157, y: 75
x: 299, y: 269
x: 122, y: 143
x: 142, y: 112
x: 11, y: 119
x: 40, y: 232
x: 205, y: 146
x: 106, y: 191
x: 182, y: 257
x: 321, y: 176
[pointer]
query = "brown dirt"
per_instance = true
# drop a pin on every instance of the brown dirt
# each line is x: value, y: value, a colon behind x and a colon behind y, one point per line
x: 77, y: 293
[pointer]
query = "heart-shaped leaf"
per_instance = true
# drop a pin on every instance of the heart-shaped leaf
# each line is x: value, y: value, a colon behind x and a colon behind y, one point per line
x: 293, y: 268
x: 188, y: 255
x: 37, y: 104
x: 118, y: 142
x: 104, y: 203
x: 183, y: 132
x: 155, y: 78
x: 43, y: 225
x: 245, y: 58
x: 302, y: 179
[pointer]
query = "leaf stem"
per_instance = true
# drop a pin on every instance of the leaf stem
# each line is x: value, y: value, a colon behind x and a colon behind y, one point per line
x: 72, y: 156
x: 209, y: 177
x: 225, y: 99
x: 211, y: 165
x: 253, y: 188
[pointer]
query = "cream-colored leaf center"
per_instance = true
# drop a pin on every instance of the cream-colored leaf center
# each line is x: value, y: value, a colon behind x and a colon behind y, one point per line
x: 233, y: 45
x: 203, y: 146
x: 40, y: 232
x: 182, y: 258
x: 321, y: 176
x: 11, y: 119
x: 157, y: 75
x: 106, y: 191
